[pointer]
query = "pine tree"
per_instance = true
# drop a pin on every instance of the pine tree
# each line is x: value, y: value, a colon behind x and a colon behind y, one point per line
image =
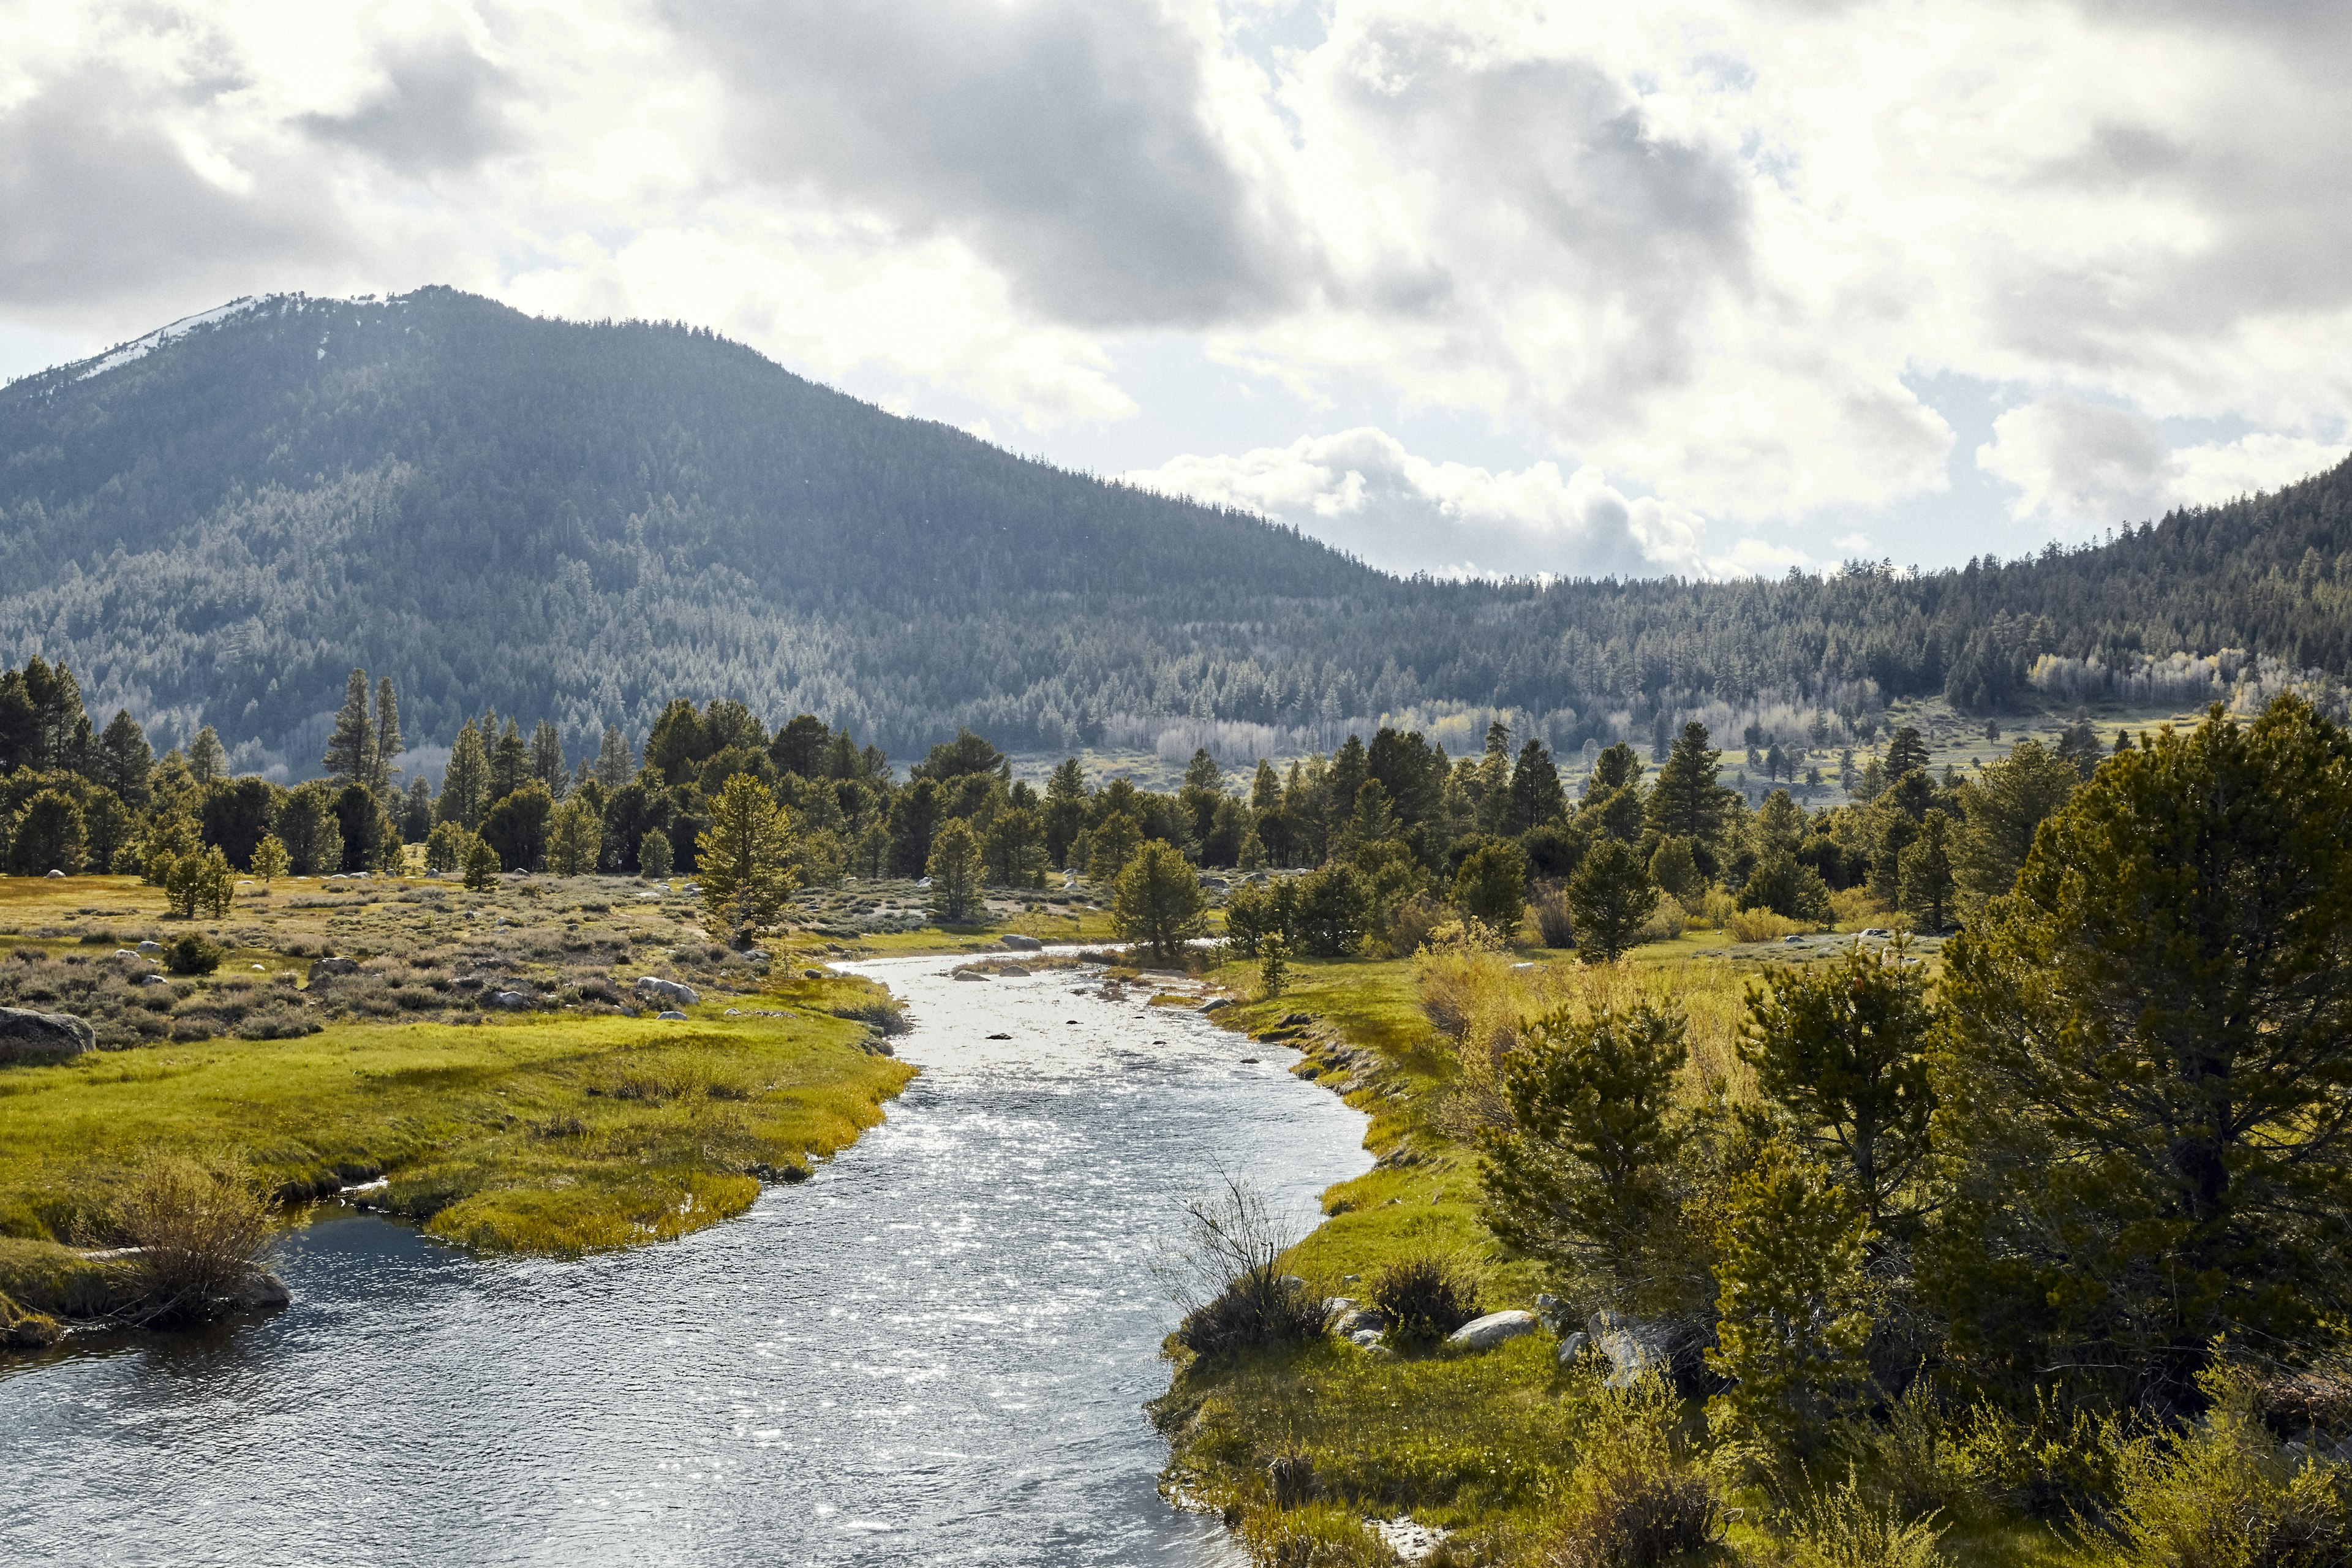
x: 1686, y: 801
x: 351, y: 750
x: 1157, y: 903
x: 465, y: 782
x: 269, y: 859
x: 1066, y: 809
x: 124, y: 758
x: 1611, y: 896
x: 1841, y: 1049
x: 547, y: 758
x: 1905, y: 751
x: 954, y: 869
x: 1537, y: 796
x: 614, y: 765
x: 654, y: 855
x: 49, y: 835
x: 1114, y: 841
x: 482, y: 867
x: 1792, y: 1316
x: 575, y: 839
x: 207, y: 760
x: 1491, y: 886
x: 510, y: 763
x: 1999, y: 808
x: 743, y: 860
x: 1272, y: 965
x: 2148, y: 1097
x: 387, y: 743
x: 1925, y: 872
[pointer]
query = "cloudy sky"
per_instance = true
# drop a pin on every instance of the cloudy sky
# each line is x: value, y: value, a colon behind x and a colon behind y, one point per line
x: 1503, y: 287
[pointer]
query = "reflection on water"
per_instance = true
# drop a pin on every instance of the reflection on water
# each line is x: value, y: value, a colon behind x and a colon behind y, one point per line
x: 934, y: 1351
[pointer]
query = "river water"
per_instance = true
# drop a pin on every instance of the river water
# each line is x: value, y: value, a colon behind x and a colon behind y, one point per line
x: 933, y: 1351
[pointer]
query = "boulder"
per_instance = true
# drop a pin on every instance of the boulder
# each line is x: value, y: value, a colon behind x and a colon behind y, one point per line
x: 1360, y: 1320
x: 1019, y: 944
x: 674, y: 1015
x: 1494, y: 1329
x: 1365, y: 1339
x: 672, y: 990
x: 151, y: 947
x: 1631, y: 1346
x: 967, y: 974
x: 326, y: 966
x: 513, y: 1001
x: 261, y: 1292
x: 57, y: 874
x: 37, y: 1039
x: 1012, y: 970
x: 1570, y: 1348
x: 1552, y: 1312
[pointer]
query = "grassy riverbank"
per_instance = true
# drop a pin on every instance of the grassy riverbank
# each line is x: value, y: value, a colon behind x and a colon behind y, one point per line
x: 551, y: 1122
x: 1497, y: 1448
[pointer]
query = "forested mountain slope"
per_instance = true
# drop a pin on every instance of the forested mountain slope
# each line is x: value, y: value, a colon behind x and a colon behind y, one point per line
x: 578, y: 520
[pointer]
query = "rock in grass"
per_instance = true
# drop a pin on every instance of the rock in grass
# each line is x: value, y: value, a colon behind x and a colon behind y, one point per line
x: 967, y: 974
x: 673, y: 991
x: 36, y: 1039
x: 1570, y: 1348
x: 673, y: 1014
x: 1494, y: 1329
x: 512, y: 1001
x: 1020, y: 943
x: 1631, y: 1346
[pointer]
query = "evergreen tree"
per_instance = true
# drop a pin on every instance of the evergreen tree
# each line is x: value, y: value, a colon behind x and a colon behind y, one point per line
x: 41, y: 714
x: 1676, y: 870
x: 269, y: 859
x: 547, y: 758
x: 1780, y: 882
x: 1014, y: 848
x: 482, y: 867
x: 1841, y: 1049
x: 510, y: 764
x: 1905, y: 750
x: 171, y: 836
x: 1686, y: 802
x: 48, y: 836
x: 575, y: 838
x: 517, y: 826
x: 125, y: 759
x: 1537, y: 796
x: 1611, y: 896
x: 654, y: 855
x: 416, y: 811
x: 207, y: 759
x: 1581, y: 1175
x: 2000, y: 808
x: 1272, y: 965
x: 307, y: 824
x: 1925, y: 872
x: 446, y: 846
x: 1157, y: 903
x: 1114, y: 841
x: 799, y: 747
x: 1065, y: 810
x: 465, y: 782
x: 351, y: 749
x: 386, y: 743
x: 744, y: 861
x: 2148, y: 1096
x: 954, y: 869
x: 614, y: 765
x: 1792, y: 1317
x: 1491, y: 886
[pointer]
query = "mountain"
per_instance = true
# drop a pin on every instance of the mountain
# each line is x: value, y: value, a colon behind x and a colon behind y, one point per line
x: 579, y: 521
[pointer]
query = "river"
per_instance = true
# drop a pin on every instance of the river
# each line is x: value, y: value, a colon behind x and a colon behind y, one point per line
x: 934, y: 1351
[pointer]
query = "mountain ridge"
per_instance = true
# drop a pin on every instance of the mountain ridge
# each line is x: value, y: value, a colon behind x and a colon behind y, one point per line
x: 579, y: 519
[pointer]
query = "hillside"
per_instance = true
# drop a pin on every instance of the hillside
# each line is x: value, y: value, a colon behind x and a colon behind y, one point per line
x: 577, y: 520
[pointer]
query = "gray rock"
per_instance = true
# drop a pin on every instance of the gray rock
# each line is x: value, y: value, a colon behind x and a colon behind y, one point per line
x: 1365, y: 1339
x: 1552, y: 1312
x: 1360, y: 1320
x: 151, y: 946
x: 327, y: 966
x: 262, y: 1292
x: 1494, y: 1329
x: 1631, y: 1346
x: 967, y: 974
x: 671, y: 991
x: 672, y: 1014
x: 1010, y: 970
x: 152, y: 979
x: 1571, y: 1347
x: 36, y: 1039
x: 513, y: 1001
x: 124, y: 952
x: 57, y: 874
x: 1019, y: 944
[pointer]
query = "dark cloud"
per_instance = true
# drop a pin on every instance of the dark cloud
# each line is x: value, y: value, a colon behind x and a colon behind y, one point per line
x: 97, y: 202
x: 1065, y: 140
x: 442, y: 107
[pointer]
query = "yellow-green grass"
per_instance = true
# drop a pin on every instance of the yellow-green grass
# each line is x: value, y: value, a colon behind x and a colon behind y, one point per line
x: 542, y: 1134
x: 1478, y: 1443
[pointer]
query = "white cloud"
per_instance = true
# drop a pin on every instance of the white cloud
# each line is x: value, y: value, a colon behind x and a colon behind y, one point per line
x: 1708, y: 246
x: 1360, y: 489
x: 2075, y: 462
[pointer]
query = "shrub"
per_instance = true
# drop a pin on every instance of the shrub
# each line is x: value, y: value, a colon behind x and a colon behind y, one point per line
x: 1272, y: 967
x: 654, y: 855
x: 1842, y: 1529
x: 1757, y: 925
x: 1411, y: 924
x: 1225, y: 1275
x: 481, y: 866
x: 193, y: 954
x: 1666, y: 923
x: 1554, y: 923
x: 1635, y: 1499
x: 201, y: 1228
x: 1424, y: 1298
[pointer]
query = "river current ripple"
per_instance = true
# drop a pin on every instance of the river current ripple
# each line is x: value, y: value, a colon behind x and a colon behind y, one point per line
x: 932, y: 1353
